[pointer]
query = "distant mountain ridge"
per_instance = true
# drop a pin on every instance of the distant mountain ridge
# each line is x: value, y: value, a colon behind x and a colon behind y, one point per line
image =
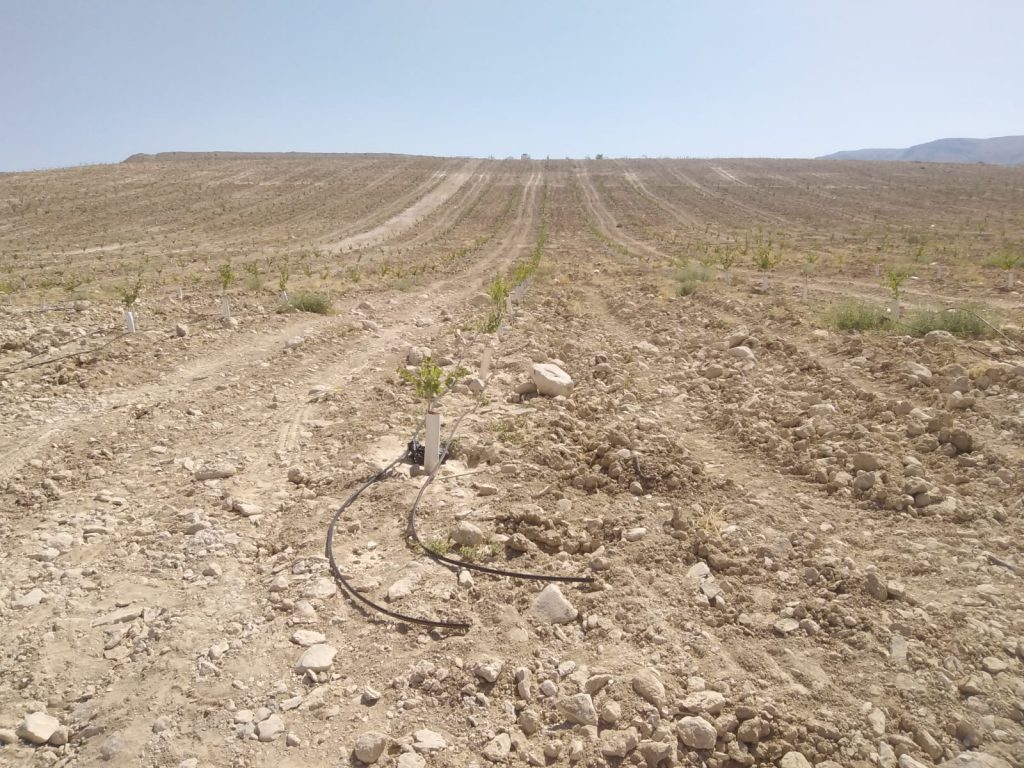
x: 1002, y: 150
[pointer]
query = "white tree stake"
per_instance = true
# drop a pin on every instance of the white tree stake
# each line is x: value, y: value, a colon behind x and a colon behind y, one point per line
x: 432, y: 449
x: 225, y: 307
x: 129, y: 320
x: 485, y: 363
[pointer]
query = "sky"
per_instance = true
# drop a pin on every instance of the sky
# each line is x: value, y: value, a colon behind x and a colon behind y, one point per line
x: 87, y: 81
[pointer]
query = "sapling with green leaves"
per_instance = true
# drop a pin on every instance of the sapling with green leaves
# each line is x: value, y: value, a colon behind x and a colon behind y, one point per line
x: 226, y: 276
x: 810, y: 263
x: 1007, y: 259
x: 766, y: 258
x: 726, y: 259
x: 129, y: 294
x: 498, y: 290
x: 895, y: 276
x: 284, y: 272
x: 431, y: 380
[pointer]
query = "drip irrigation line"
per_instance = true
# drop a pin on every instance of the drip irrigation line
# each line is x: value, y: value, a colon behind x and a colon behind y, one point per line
x: 21, y: 367
x: 460, y: 626
x: 982, y: 352
x: 46, y: 351
x: 413, y: 537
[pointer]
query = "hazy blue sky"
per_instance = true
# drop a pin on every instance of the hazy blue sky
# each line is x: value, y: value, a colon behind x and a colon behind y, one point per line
x: 84, y: 82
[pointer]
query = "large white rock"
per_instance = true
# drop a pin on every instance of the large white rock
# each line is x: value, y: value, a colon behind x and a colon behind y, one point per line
x: 553, y: 607
x: 426, y: 740
x: 551, y: 380
x: 465, y: 534
x: 497, y: 749
x: 417, y: 355
x: 794, y: 760
x: 648, y: 687
x: 916, y: 369
x: 37, y: 728
x: 742, y: 353
x: 697, y: 733
x: 317, y: 658
x: 975, y: 760
x: 578, y: 709
x: 307, y: 637
x: 370, y: 746
x: 270, y: 729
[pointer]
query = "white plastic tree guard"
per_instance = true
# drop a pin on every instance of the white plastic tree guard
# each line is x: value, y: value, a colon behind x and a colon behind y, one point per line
x: 432, y: 447
x: 225, y: 307
x: 129, y: 321
x: 485, y: 363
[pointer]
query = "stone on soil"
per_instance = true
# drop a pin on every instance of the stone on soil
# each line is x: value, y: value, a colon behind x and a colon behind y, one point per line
x: 578, y: 709
x: 649, y: 687
x: 317, y: 658
x: 551, y: 380
x: 270, y: 729
x: 696, y: 733
x: 370, y: 746
x: 552, y: 606
x: 37, y: 728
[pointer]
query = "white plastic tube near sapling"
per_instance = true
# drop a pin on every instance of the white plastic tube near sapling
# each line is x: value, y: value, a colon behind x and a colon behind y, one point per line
x: 432, y: 447
x: 485, y: 363
x: 129, y: 293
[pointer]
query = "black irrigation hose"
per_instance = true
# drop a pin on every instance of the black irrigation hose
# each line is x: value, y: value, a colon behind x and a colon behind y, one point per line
x: 437, y: 556
x: 460, y: 626
x: 18, y: 367
x: 967, y: 344
x: 413, y: 537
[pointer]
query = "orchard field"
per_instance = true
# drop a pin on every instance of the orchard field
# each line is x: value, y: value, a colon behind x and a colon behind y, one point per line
x: 788, y: 476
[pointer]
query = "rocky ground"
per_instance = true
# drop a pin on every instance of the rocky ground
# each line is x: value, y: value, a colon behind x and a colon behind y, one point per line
x: 801, y: 547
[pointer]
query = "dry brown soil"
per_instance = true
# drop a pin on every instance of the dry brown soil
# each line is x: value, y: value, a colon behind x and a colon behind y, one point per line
x: 811, y: 545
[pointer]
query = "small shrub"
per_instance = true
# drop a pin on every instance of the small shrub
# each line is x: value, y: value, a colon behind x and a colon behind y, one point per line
x: 491, y: 323
x: 693, y: 272
x: 310, y: 302
x: 963, y: 321
x: 498, y: 290
x: 690, y: 276
x: 439, y: 546
x: 856, y: 316
x: 687, y: 288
